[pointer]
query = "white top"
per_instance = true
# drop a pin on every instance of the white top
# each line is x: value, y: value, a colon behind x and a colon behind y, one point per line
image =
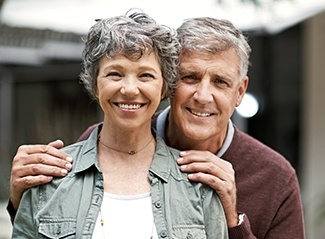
x: 125, y: 217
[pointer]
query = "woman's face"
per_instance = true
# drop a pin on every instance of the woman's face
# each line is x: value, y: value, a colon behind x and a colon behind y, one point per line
x: 129, y: 91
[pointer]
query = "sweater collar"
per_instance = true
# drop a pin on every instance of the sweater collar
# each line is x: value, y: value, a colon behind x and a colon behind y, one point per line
x: 161, y: 129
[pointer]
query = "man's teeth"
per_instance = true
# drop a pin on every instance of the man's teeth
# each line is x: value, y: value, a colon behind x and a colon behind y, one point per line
x: 200, y: 114
x: 129, y: 106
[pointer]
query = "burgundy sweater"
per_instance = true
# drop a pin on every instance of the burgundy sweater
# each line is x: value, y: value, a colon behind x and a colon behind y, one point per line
x: 267, y: 191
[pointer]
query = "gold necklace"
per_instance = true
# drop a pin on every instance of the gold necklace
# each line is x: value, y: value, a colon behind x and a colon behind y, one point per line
x: 130, y: 152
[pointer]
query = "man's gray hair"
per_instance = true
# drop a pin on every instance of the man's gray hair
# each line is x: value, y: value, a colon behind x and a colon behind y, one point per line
x: 212, y: 35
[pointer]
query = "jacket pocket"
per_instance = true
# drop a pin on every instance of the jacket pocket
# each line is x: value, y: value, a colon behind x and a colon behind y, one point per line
x: 189, y: 232
x: 57, y: 228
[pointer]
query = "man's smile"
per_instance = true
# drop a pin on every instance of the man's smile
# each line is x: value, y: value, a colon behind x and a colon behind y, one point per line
x: 199, y: 114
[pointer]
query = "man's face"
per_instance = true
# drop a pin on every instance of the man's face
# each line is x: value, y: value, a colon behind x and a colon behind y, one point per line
x: 208, y: 91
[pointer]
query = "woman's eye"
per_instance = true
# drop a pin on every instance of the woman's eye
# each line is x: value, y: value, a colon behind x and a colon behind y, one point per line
x: 147, y: 76
x: 113, y: 75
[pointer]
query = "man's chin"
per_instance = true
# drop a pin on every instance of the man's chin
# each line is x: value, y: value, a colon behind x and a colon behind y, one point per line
x: 196, y: 134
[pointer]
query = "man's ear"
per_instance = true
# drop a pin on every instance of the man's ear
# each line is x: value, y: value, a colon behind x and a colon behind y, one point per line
x: 164, y: 91
x: 242, y: 90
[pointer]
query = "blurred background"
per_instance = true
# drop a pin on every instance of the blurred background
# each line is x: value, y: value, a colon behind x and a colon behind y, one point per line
x: 41, y: 98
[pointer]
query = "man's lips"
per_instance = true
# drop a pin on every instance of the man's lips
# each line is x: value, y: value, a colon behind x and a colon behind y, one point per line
x: 199, y: 114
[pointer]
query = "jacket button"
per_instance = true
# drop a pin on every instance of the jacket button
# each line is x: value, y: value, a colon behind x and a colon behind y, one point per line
x: 189, y: 236
x: 158, y: 204
x: 163, y: 234
x: 58, y: 230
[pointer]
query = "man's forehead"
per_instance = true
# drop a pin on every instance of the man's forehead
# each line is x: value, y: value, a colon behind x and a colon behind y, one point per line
x: 211, y: 64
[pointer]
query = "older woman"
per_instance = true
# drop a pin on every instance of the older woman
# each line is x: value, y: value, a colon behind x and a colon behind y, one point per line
x: 125, y: 182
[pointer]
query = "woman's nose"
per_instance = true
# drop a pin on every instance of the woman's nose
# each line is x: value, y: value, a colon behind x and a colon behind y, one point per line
x: 130, y: 86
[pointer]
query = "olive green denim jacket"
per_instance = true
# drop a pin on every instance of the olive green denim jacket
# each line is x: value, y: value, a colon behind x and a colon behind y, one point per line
x: 68, y: 207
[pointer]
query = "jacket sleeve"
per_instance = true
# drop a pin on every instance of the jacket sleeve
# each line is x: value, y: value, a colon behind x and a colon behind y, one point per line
x: 214, y: 216
x: 25, y: 225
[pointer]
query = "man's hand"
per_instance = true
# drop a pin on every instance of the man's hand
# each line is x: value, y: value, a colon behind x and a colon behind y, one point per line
x: 207, y: 168
x: 35, y: 165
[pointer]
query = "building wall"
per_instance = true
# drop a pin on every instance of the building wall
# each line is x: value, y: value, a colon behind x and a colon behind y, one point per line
x: 313, y: 129
x: 275, y: 79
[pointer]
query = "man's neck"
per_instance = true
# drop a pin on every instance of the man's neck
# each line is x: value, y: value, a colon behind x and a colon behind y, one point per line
x: 176, y: 139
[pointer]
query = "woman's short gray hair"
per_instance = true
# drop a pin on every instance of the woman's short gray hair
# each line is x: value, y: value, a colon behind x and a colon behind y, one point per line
x: 131, y: 35
x: 214, y: 35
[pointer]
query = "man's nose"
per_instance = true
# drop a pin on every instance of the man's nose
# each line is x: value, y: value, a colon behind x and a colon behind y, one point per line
x: 203, y: 93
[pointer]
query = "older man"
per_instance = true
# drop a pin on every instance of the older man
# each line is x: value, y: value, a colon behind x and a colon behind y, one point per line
x: 257, y: 186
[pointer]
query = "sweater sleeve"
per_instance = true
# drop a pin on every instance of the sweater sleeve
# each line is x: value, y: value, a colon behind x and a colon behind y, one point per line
x: 11, y: 211
x: 242, y: 231
x: 288, y: 221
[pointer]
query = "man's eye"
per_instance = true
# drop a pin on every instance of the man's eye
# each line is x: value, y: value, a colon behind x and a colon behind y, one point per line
x: 189, y: 79
x: 221, y: 83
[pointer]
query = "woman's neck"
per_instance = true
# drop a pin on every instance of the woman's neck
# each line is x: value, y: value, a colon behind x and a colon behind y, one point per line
x: 125, y: 173
x: 125, y: 140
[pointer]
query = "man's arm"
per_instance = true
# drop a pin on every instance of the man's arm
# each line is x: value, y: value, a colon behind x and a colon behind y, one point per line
x: 37, y: 164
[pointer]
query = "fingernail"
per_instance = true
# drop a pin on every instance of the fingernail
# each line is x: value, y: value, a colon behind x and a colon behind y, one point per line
x: 183, y: 166
x: 70, y: 159
x: 68, y: 166
x: 182, y: 153
x: 64, y: 171
x: 179, y: 160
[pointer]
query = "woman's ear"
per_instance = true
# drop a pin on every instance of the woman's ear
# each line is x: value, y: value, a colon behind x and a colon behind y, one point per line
x: 96, y: 91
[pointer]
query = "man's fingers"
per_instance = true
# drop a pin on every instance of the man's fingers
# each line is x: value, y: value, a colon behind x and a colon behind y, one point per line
x: 59, y: 170
x: 57, y: 144
x: 203, y: 161
x: 42, y: 169
x: 49, y: 160
x: 32, y: 181
x: 28, y: 154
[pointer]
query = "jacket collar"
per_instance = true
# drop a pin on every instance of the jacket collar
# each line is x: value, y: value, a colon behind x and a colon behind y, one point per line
x: 160, y: 166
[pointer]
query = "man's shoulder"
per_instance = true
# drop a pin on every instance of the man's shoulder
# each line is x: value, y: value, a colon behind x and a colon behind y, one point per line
x: 246, y: 147
x: 87, y: 132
